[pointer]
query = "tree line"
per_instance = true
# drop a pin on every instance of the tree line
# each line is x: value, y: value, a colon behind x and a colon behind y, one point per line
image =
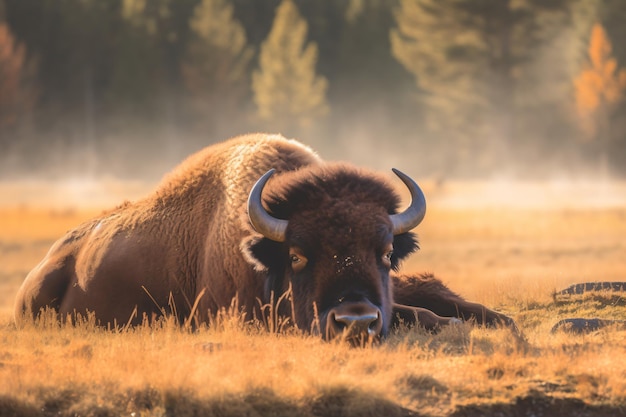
x: 442, y: 87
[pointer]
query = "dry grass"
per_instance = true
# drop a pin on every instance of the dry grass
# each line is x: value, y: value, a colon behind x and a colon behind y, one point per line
x: 493, y: 255
x: 511, y: 258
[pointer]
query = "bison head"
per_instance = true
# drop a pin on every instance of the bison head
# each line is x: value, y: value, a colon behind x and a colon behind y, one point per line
x: 332, y: 233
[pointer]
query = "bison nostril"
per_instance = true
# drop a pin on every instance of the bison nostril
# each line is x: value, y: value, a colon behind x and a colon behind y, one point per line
x: 337, y: 324
x: 355, y: 320
x: 359, y: 323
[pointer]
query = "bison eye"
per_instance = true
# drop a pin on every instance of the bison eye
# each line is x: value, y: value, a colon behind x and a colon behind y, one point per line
x: 387, y: 258
x: 298, y: 261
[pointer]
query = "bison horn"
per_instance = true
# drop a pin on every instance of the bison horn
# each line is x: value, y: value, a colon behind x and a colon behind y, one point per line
x: 264, y: 223
x: 413, y: 215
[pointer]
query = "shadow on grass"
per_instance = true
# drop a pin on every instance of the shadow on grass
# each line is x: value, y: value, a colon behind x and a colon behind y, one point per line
x: 341, y: 402
x: 538, y: 404
x: 150, y: 402
x: 13, y: 407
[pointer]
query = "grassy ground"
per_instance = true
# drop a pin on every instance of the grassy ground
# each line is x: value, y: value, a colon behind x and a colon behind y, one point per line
x: 511, y: 258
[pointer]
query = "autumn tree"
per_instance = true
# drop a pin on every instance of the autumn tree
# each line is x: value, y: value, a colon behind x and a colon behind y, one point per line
x: 599, y: 89
x: 288, y: 93
x: 16, y: 97
x: 216, y: 63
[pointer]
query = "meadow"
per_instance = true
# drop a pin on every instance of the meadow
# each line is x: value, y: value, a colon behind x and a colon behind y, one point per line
x: 507, y: 246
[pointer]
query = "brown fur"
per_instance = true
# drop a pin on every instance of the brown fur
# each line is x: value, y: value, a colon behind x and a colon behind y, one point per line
x: 191, y: 240
x: 430, y: 294
x: 162, y: 251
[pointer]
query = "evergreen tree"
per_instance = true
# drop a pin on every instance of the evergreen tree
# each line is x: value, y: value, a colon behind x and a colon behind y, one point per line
x: 430, y: 43
x: 288, y: 93
x: 467, y: 57
x: 372, y: 95
x: 151, y: 47
x: 216, y: 63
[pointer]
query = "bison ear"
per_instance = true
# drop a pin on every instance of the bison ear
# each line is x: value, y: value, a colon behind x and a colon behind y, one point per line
x: 403, y: 245
x: 262, y: 253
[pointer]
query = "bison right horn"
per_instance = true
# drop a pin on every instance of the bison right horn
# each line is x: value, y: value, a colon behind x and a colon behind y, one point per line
x: 263, y: 222
x: 414, y: 214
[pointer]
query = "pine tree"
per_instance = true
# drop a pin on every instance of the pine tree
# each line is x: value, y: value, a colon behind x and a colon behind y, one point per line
x: 288, y: 93
x: 216, y: 63
x: 467, y: 57
x: 599, y: 89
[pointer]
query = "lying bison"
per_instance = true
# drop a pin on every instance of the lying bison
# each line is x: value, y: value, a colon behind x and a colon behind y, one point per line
x: 252, y: 218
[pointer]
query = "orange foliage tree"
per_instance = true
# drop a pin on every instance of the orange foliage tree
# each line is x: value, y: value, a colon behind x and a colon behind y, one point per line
x: 15, y: 97
x: 599, y: 88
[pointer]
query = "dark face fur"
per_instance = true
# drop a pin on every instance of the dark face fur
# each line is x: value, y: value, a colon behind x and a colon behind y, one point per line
x: 339, y: 247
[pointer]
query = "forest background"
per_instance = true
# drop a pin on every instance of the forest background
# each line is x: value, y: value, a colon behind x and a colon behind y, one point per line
x: 441, y: 88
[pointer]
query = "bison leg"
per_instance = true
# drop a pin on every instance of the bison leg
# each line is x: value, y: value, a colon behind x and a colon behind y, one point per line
x: 426, y: 318
x: 427, y: 292
x: 44, y: 287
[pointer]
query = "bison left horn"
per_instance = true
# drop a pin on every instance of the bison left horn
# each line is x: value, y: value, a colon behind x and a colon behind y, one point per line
x: 264, y: 223
x: 414, y: 214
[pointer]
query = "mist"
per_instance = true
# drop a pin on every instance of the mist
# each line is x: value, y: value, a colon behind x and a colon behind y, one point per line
x: 134, y: 101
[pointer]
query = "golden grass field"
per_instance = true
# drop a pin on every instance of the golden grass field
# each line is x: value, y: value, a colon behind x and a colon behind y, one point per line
x: 506, y: 246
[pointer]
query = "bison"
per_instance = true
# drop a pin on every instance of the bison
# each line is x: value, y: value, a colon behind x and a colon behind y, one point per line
x: 251, y: 219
